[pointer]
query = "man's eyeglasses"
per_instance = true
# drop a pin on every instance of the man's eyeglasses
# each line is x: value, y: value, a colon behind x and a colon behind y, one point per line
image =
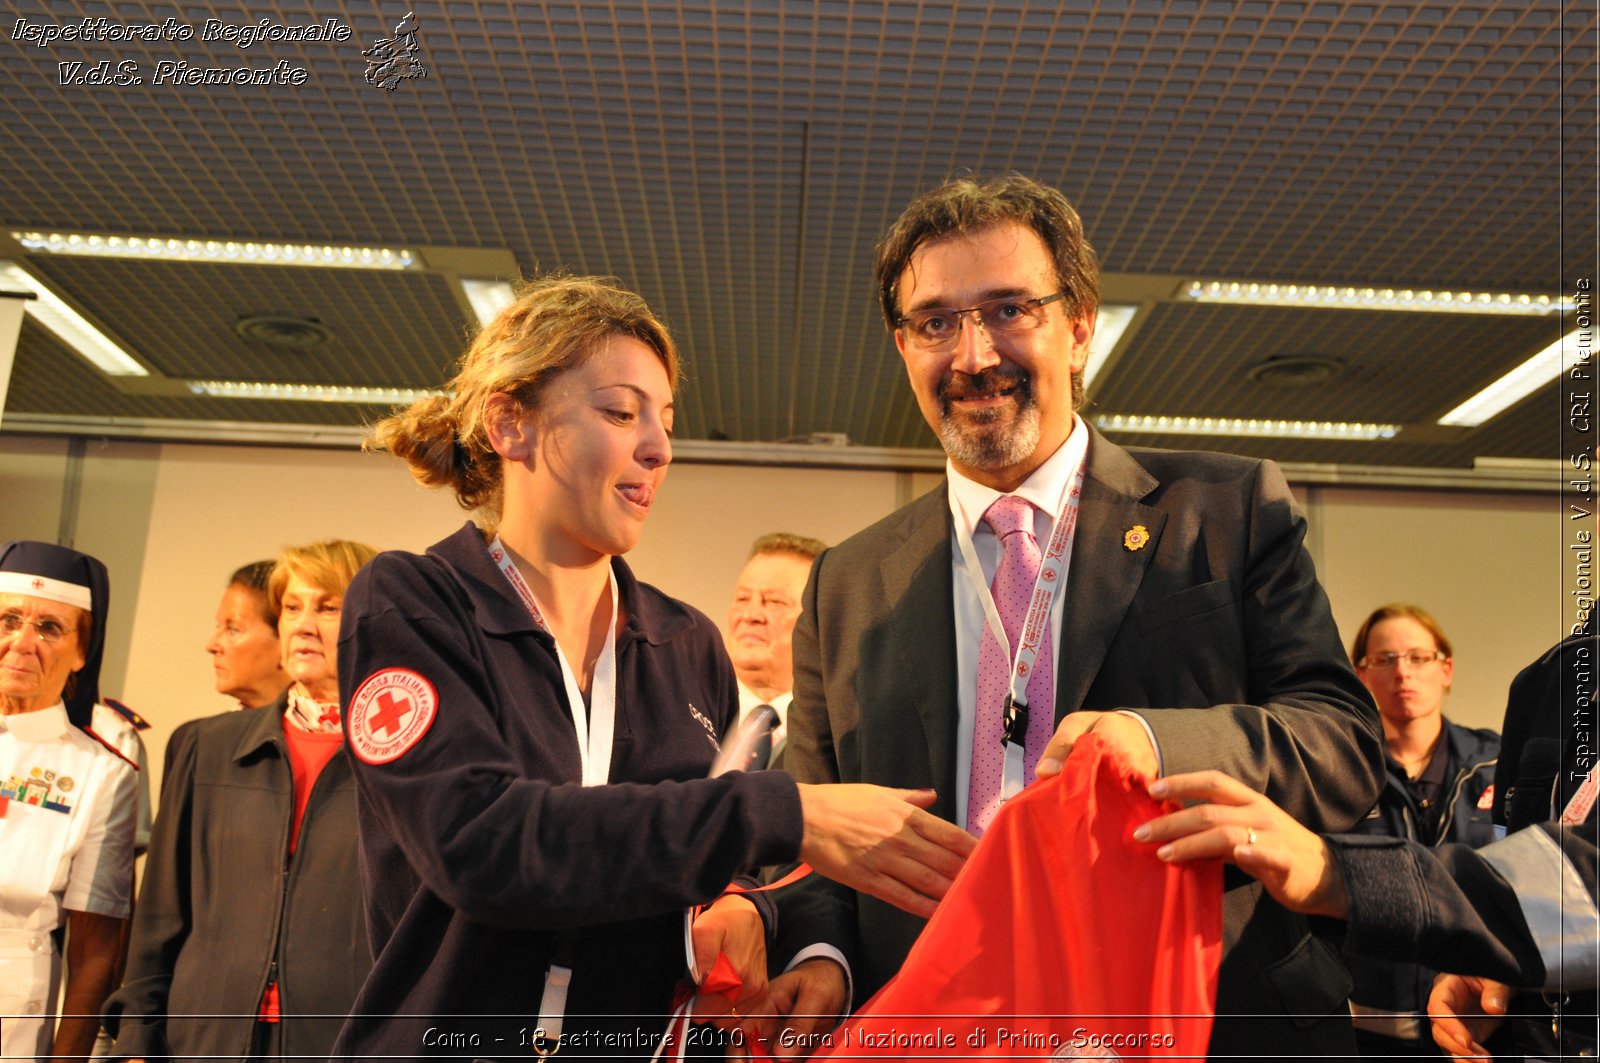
x: 49, y: 631
x: 1383, y: 662
x: 936, y: 328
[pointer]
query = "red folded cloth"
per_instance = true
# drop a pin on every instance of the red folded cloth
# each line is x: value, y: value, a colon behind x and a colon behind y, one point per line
x: 1062, y: 937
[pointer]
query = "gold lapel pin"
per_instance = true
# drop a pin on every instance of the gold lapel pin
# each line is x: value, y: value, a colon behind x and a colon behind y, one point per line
x: 1135, y: 537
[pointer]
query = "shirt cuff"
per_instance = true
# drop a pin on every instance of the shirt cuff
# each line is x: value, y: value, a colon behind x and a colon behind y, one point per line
x: 828, y: 952
x: 1161, y: 768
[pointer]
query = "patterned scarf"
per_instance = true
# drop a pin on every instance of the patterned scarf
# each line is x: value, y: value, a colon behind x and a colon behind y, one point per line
x: 308, y: 714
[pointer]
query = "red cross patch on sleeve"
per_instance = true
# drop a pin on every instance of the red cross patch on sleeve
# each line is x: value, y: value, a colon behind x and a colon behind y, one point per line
x: 390, y: 713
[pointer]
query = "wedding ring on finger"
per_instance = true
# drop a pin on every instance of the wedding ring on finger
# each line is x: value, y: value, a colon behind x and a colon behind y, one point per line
x: 1249, y: 835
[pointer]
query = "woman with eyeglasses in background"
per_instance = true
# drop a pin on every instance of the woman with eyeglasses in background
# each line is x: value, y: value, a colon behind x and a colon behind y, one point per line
x: 1438, y: 789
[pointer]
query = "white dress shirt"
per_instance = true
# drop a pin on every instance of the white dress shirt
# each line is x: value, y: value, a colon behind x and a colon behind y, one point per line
x: 749, y: 701
x: 969, y: 500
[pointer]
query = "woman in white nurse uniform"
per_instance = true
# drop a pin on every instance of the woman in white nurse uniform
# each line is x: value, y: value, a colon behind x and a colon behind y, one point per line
x: 67, y: 805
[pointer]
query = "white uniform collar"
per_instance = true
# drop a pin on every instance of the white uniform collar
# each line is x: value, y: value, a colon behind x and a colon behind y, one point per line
x: 1044, y: 487
x: 40, y: 725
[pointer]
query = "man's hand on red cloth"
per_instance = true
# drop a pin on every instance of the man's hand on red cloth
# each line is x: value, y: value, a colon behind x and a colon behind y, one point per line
x: 1121, y: 732
x: 802, y: 1004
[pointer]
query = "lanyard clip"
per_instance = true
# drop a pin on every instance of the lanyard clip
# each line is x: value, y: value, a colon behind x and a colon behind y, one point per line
x: 1016, y: 721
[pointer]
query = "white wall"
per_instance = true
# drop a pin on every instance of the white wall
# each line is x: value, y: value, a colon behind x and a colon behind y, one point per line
x: 1487, y: 566
x: 172, y: 521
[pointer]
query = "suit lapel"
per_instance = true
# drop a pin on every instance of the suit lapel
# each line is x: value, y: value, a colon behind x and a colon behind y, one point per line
x: 920, y: 626
x: 1105, y: 573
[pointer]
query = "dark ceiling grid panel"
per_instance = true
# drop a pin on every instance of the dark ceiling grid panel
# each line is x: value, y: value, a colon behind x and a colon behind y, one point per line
x: 1344, y: 221
x: 51, y: 378
x: 391, y: 328
x: 861, y: 113
x: 1529, y: 430
x: 739, y: 228
x: 1232, y: 139
x: 680, y: 249
x: 1396, y: 366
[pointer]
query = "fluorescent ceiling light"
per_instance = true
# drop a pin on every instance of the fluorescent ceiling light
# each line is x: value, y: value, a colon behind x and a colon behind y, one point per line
x: 1112, y: 321
x: 1239, y: 426
x: 51, y: 311
x: 1343, y: 297
x: 1516, y: 385
x: 487, y: 297
x: 189, y: 249
x: 245, y: 389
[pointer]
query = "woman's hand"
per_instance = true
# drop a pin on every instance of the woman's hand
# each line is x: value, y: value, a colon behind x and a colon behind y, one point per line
x: 881, y: 842
x: 1234, y: 823
x: 730, y: 927
x: 1465, y: 1011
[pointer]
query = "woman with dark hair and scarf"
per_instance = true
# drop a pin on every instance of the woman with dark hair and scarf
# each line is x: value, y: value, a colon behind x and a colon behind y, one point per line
x: 67, y: 804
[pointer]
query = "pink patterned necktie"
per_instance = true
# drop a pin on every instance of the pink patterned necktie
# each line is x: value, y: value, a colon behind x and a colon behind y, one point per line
x: 1012, y: 589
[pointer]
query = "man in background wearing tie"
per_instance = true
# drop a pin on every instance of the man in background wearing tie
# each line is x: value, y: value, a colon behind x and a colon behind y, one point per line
x: 1177, y: 615
x: 766, y: 603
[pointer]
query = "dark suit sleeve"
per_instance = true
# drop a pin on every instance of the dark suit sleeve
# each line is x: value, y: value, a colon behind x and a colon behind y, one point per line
x: 815, y: 910
x: 1309, y: 738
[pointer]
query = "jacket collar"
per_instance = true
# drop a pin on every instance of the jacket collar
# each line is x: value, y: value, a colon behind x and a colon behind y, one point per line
x: 651, y: 615
x: 264, y: 729
x: 917, y: 580
x: 1107, y: 565
x: 1471, y: 748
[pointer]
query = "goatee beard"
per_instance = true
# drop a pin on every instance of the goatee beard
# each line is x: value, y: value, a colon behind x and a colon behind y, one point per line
x: 989, y: 439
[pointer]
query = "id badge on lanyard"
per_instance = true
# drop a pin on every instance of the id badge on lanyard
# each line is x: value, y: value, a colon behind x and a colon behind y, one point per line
x: 1052, y: 568
x: 595, y: 724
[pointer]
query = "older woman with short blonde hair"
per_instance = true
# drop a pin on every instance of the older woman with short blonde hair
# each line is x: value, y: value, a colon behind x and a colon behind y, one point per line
x: 248, y: 939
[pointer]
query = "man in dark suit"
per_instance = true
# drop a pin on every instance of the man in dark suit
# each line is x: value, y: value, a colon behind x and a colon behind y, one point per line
x: 760, y: 629
x: 1193, y: 632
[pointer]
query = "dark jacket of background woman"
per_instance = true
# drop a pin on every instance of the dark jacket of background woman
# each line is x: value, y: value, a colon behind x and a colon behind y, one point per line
x: 1402, y: 987
x: 222, y: 900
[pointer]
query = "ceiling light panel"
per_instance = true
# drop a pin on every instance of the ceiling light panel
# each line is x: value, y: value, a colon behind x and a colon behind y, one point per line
x: 247, y: 389
x: 1243, y: 426
x: 1208, y: 350
x: 71, y: 327
x: 1111, y: 322
x: 1518, y: 384
x: 1345, y: 297
x: 488, y: 297
x: 193, y: 249
x: 390, y: 328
